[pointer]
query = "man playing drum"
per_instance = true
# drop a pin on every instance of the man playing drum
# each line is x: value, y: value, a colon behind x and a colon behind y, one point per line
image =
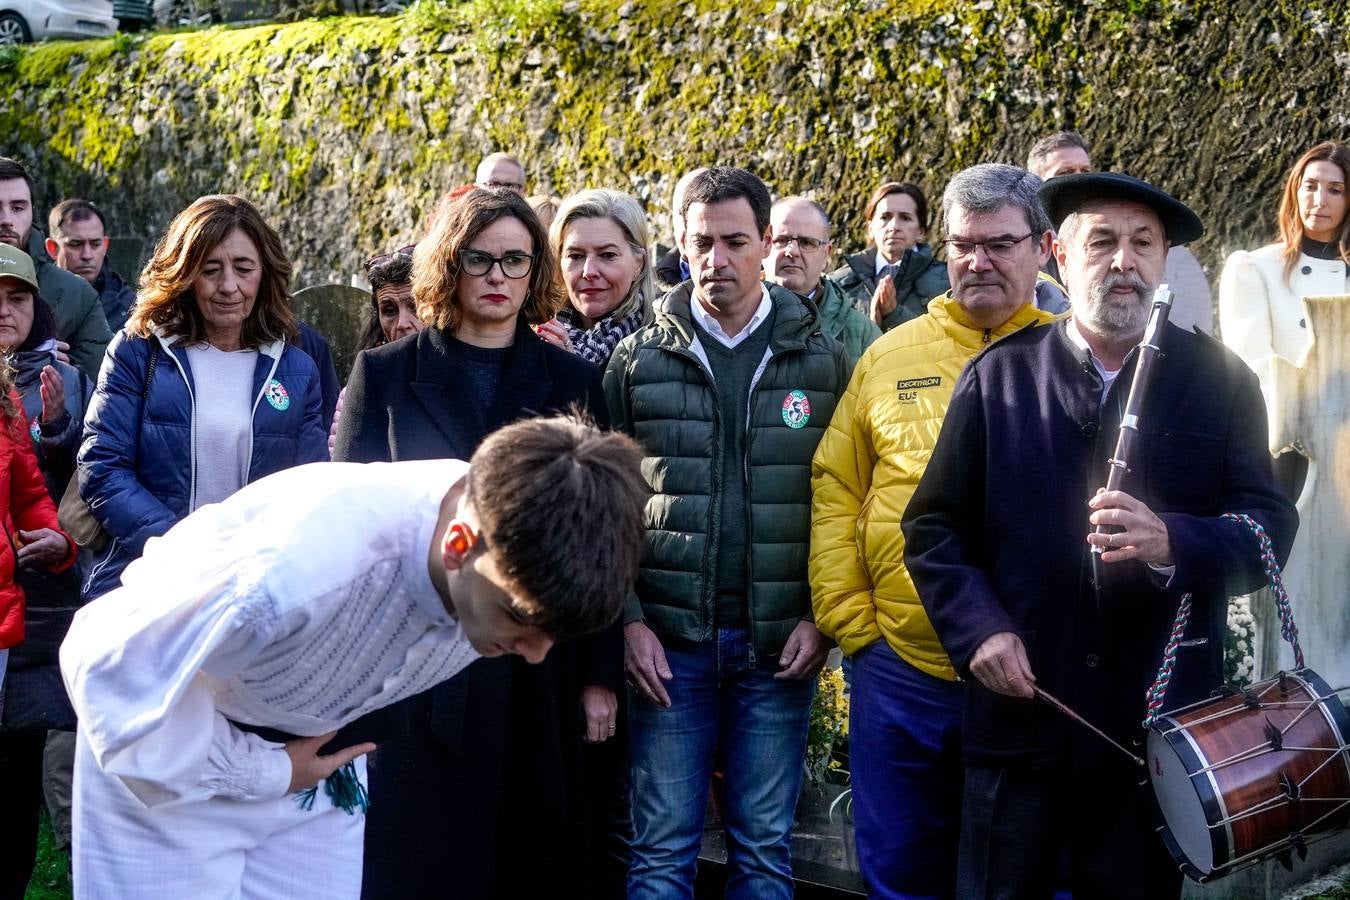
x: 999, y: 542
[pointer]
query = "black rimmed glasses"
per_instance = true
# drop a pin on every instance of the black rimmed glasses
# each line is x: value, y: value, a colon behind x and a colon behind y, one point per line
x: 383, y: 258
x: 804, y: 243
x: 996, y: 248
x: 476, y: 262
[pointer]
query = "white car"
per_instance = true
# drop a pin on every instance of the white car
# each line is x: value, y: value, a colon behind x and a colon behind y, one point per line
x: 35, y: 20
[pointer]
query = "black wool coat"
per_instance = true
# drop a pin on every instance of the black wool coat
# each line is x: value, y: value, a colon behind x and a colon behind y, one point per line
x: 491, y: 760
x: 996, y: 533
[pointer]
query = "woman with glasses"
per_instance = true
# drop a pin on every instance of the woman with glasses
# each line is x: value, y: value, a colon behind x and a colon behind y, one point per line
x: 893, y: 280
x: 488, y: 763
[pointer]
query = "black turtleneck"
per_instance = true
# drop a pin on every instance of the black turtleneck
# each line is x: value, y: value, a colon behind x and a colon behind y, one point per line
x: 1320, y: 249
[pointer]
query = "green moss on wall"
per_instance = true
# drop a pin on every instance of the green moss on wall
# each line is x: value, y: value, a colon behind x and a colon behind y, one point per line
x: 345, y: 130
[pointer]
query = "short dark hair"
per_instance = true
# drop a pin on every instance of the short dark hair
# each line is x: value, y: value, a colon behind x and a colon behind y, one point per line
x: 395, y: 268
x: 579, y: 563
x: 1049, y: 144
x: 72, y: 210
x: 11, y: 169
x: 910, y: 190
x: 722, y: 183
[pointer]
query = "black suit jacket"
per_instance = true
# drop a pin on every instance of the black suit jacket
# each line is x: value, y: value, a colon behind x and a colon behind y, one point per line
x: 443, y: 790
x: 407, y: 400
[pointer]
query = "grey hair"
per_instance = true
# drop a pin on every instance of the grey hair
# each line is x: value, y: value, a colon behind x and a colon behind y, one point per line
x: 625, y: 211
x: 816, y: 207
x: 1069, y: 227
x: 989, y: 187
x: 1060, y: 140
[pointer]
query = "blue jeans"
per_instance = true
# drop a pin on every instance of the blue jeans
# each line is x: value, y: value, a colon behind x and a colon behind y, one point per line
x: 723, y: 702
x: 904, y: 752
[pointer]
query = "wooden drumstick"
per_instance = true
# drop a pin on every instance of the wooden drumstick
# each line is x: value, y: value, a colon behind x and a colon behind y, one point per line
x: 1062, y: 707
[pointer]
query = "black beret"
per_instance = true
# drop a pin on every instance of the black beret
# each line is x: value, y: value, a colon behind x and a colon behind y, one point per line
x: 1069, y: 193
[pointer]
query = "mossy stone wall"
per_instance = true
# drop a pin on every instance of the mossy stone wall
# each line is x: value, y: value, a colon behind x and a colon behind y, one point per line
x: 345, y: 130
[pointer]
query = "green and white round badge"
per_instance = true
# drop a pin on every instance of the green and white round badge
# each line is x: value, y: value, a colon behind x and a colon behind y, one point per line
x: 796, y: 409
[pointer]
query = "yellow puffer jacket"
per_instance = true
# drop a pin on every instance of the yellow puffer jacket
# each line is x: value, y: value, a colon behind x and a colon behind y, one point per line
x: 866, y: 469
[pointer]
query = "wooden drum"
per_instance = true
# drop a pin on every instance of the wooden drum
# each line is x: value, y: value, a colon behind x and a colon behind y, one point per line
x: 1252, y: 774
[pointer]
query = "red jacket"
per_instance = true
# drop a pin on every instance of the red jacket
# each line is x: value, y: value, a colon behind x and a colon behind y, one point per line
x: 25, y: 505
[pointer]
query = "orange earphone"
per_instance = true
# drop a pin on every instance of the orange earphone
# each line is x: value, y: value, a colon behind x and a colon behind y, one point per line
x: 460, y: 539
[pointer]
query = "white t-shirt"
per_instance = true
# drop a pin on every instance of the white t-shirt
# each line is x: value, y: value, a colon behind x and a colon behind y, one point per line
x: 222, y: 388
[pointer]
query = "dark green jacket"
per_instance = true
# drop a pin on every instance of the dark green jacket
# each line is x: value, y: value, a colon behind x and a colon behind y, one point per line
x: 919, y: 279
x: 74, y: 302
x: 660, y: 390
x: 841, y: 321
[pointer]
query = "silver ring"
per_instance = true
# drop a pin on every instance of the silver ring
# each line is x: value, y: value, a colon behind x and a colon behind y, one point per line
x: 612, y: 728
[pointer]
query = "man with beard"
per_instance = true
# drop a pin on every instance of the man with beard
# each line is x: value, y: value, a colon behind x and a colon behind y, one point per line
x: 905, y: 714
x: 81, y: 327
x: 1066, y: 153
x: 998, y: 540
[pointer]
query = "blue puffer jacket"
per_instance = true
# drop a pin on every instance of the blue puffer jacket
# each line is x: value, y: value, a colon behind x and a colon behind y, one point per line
x: 138, y: 468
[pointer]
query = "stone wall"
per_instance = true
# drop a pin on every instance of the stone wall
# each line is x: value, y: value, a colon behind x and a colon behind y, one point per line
x: 346, y: 129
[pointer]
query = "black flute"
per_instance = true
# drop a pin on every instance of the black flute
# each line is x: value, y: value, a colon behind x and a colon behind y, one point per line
x: 1129, y: 420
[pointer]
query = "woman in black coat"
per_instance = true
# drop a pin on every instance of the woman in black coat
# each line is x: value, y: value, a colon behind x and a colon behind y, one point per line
x: 489, y: 762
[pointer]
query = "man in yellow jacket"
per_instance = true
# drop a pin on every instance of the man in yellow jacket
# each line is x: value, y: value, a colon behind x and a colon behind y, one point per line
x: 905, y: 718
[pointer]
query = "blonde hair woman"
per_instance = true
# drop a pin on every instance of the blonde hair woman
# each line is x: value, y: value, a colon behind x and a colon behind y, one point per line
x: 600, y: 238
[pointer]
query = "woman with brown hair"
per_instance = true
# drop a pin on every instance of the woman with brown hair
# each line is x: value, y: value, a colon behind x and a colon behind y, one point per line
x: 490, y: 761
x: 1261, y: 291
x: 202, y: 391
x: 392, y: 314
x: 893, y: 281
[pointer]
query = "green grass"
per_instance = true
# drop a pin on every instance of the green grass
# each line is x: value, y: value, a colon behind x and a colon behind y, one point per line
x: 1337, y: 893
x: 50, y: 881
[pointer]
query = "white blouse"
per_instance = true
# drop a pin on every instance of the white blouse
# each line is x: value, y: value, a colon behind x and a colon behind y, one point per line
x: 300, y: 603
x: 1260, y: 315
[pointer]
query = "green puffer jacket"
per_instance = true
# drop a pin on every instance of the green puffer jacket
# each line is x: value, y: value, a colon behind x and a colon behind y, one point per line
x: 660, y: 390
x: 838, y: 318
